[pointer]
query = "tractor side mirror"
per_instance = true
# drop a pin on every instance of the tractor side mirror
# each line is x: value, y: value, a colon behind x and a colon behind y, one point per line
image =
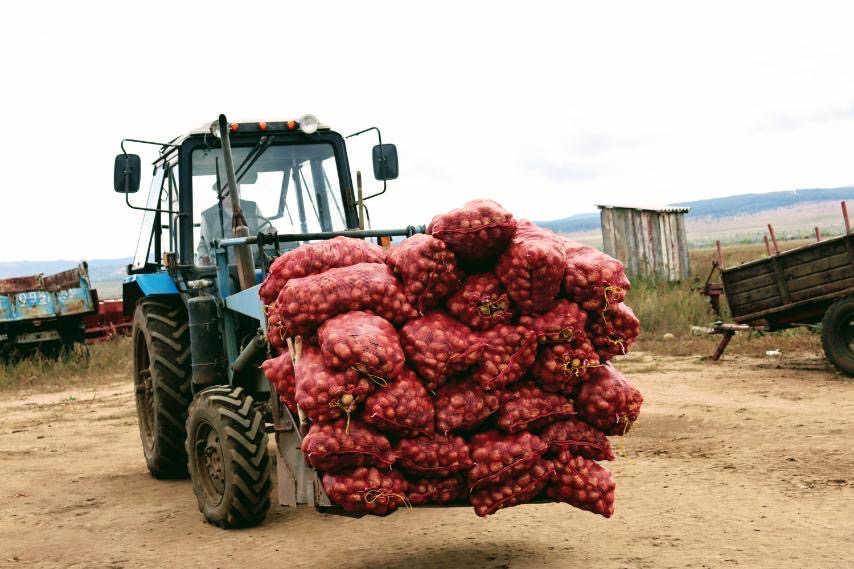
x: 126, y: 173
x: 385, y: 162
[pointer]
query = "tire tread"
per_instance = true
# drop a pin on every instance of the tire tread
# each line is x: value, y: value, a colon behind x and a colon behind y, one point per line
x: 165, y: 328
x: 244, y: 445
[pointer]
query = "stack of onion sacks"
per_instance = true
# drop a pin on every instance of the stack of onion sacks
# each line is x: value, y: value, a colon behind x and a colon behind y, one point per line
x: 471, y: 365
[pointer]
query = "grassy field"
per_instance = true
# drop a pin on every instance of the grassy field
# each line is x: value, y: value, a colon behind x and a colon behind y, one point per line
x: 105, y: 362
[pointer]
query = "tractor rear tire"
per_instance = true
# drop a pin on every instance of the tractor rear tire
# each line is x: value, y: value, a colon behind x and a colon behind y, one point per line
x: 228, y: 460
x: 837, y: 334
x: 162, y: 372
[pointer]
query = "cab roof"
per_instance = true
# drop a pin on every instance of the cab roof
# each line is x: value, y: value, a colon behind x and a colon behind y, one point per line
x: 241, y: 127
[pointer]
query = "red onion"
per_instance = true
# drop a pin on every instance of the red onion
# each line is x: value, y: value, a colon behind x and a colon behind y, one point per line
x: 481, y: 302
x: 462, y: 405
x: 306, y: 303
x: 476, y: 232
x: 498, y: 457
x: 582, y: 483
x: 520, y: 488
x: 367, y: 490
x: 314, y: 258
x: 608, y: 402
x: 579, y: 438
x: 527, y: 407
x: 363, y: 342
x: 280, y: 372
x: 427, y: 268
x: 508, y: 353
x: 325, y: 394
x: 340, y: 445
x: 433, y: 456
x: 437, y: 347
x: 402, y: 407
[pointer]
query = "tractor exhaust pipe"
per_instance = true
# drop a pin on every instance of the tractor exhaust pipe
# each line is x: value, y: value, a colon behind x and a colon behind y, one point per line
x: 242, y: 253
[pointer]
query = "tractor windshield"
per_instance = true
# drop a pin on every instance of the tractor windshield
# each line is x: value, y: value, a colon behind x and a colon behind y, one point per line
x: 288, y: 188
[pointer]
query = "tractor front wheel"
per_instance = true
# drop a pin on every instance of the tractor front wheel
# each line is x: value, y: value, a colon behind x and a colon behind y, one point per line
x: 228, y: 460
x: 837, y: 334
x: 161, y: 374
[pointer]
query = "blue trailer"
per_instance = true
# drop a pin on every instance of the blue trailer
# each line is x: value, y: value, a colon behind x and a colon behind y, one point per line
x: 225, y: 199
x: 45, y: 312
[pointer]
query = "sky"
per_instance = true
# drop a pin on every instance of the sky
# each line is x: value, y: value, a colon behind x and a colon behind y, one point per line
x: 546, y: 107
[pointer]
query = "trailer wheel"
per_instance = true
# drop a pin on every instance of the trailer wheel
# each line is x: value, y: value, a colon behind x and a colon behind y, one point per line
x: 228, y: 460
x: 161, y: 371
x: 837, y: 334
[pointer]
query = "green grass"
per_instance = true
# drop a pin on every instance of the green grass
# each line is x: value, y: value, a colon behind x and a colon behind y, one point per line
x: 106, y: 361
x: 668, y: 307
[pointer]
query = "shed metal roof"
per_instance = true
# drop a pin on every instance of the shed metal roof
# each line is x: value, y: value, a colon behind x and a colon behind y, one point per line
x: 659, y: 209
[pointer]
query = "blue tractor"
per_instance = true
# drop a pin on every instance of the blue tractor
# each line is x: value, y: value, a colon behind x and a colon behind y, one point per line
x: 224, y: 201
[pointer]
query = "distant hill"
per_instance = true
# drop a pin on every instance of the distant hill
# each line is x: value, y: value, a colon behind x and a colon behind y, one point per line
x: 752, y: 203
x: 578, y: 223
x: 717, y: 208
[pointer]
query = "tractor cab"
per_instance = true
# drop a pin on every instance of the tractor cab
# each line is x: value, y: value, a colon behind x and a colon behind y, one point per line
x: 293, y: 178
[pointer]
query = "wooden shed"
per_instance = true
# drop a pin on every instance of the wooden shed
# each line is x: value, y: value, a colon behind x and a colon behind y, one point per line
x: 650, y: 241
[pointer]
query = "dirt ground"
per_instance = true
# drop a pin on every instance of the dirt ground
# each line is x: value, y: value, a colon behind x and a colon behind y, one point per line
x: 747, y: 462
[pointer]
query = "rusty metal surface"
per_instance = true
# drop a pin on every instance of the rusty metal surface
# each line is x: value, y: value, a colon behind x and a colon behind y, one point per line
x: 63, y: 281
x: 14, y: 285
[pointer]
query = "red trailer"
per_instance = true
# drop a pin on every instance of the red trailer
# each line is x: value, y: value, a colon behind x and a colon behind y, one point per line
x: 107, y: 323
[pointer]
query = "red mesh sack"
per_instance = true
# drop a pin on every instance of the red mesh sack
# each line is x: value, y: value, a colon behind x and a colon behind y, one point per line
x: 402, y: 407
x: 427, y: 268
x: 276, y: 331
x: 280, y: 372
x: 367, y: 490
x: 438, y: 346
x: 565, y: 322
x: 529, y: 408
x: 498, y: 457
x: 613, y: 331
x: 331, y: 447
x: 325, y: 394
x: 437, y: 456
x: 478, y: 231
x: 560, y: 367
x: 532, y: 268
x: 508, y: 353
x: 608, y: 402
x: 579, y: 438
x: 481, y: 302
x: 462, y: 405
x: 521, y: 488
x: 363, y: 342
x: 592, y: 278
x: 315, y: 258
x: 582, y: 483
x: 436, y: 490
x: 306, y: 303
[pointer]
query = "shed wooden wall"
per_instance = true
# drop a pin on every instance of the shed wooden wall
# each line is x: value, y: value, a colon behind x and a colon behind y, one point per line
x: 649, y: 243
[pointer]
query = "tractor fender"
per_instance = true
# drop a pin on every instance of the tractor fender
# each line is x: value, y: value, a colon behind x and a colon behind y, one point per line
x: 136, y: 287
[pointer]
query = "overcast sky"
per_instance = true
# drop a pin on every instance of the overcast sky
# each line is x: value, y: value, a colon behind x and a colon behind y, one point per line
x: 548, y: 108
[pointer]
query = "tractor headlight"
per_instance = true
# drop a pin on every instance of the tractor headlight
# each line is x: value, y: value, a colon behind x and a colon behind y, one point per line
x: 308, y: 124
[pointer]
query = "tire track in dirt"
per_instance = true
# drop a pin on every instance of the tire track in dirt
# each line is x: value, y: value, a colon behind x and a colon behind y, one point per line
x: 731, y: 464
